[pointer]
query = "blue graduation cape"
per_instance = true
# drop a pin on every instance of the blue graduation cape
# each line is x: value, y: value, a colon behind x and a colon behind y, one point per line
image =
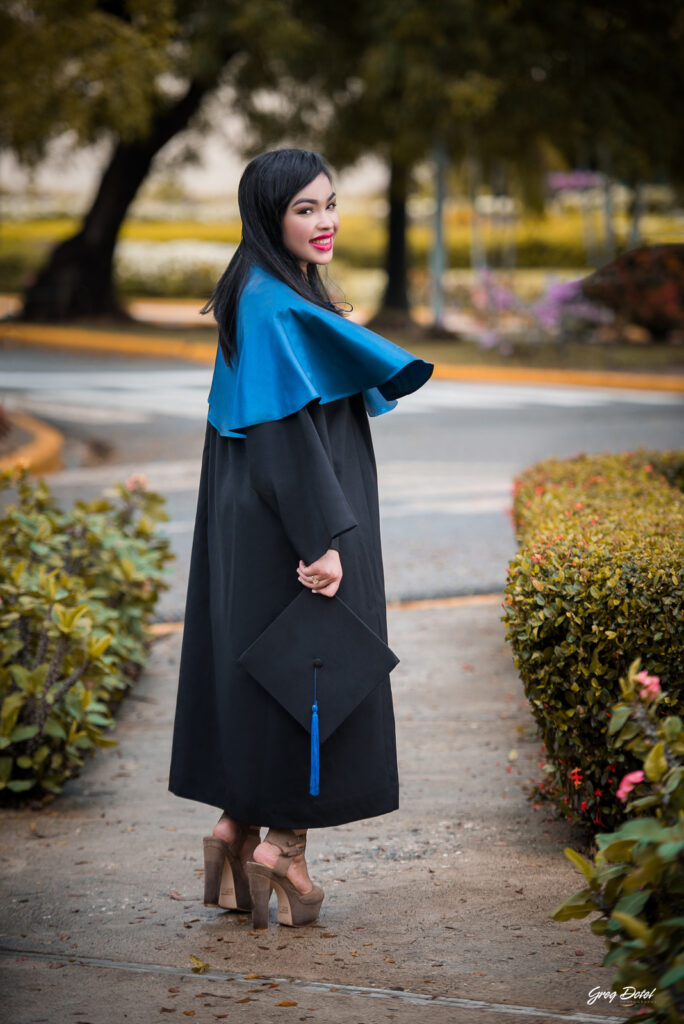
x: 290, y: 351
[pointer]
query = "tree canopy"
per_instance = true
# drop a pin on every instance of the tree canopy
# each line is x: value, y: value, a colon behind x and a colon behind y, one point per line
x: 80, y: 66
x: 516, y: 83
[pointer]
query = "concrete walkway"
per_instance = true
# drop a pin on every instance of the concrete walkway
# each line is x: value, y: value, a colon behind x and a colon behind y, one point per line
x: 441, y: 908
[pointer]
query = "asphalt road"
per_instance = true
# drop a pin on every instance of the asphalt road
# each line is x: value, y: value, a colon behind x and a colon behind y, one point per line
x: 446, y: 455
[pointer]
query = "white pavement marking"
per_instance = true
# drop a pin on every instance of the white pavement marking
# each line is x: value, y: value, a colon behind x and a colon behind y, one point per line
x: 72, y: 413
x: 444, y: 394
x: 443, y: 488
x: 135, y: 396
x: 406, y: 488
x: 444, y: 507
x: 119, y: 396
x: 328, y: 987
x: 178, y: 475
x: 141, y: 380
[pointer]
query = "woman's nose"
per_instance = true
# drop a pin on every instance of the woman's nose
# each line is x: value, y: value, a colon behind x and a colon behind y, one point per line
x: 326, y: 220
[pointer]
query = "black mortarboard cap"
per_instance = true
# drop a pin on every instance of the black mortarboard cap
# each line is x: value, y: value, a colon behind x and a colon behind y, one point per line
x: 319, y: 660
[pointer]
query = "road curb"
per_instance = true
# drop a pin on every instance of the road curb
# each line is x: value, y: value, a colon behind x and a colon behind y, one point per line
x: 578, y: 378
x: 42, y: 454
x: 205, y: 352
x: 108, y: 341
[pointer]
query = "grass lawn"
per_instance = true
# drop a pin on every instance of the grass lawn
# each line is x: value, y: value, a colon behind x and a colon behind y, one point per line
x: 553, y: 240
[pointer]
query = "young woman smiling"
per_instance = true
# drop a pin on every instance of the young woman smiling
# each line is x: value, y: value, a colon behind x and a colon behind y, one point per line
x: 287, y: 501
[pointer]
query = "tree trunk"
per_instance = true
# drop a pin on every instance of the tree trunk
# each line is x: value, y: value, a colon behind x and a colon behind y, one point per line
x: 394, y: 309
x: 77, y: 281
x: 438, y: 255
x: 636, y: 211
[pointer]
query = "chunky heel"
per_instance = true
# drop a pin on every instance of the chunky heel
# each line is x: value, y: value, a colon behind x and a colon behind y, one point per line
x: 294, y: 907
x: 225, y: 881
x: 214, y: 860
x: 260, y: 891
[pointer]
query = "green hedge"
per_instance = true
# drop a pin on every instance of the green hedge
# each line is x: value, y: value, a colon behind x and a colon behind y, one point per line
x: 597, y: 581
x: 636, y: 881
x: 77, y: 590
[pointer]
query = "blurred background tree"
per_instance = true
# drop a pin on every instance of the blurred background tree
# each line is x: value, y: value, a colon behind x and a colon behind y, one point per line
x: 134, y: 71
x: 505, y: 90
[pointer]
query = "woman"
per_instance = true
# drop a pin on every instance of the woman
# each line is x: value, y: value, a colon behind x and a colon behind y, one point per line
x: 287, y: 500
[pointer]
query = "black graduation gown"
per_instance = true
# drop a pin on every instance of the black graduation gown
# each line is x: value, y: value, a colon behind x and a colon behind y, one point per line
x: 290, y: 489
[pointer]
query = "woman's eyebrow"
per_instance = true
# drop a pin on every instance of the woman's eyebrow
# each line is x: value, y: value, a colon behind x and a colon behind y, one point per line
x: 312, y: 202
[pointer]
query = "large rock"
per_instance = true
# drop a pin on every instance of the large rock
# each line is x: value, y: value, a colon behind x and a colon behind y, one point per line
x: 644, y: 286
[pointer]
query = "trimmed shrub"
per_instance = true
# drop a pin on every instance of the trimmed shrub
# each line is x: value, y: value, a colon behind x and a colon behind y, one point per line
x: 597, y: 581
x: 77, y: 589
x: 636, y: 881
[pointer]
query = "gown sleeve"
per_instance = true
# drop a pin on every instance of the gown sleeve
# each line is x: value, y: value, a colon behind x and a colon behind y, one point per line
x: 291, y: 468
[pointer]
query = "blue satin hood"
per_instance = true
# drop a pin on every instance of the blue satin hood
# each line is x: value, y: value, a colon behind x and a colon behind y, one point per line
x: 290, y: 351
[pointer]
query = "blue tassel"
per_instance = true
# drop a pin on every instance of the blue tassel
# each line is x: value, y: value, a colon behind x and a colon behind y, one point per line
x: 313, y: 781
x: 314, y: 777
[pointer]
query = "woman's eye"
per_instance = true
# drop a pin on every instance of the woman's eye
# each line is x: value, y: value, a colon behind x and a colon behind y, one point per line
x: 333, y: 205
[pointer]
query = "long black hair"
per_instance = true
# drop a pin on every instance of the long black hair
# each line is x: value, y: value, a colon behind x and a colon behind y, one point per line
x: 267, y: 185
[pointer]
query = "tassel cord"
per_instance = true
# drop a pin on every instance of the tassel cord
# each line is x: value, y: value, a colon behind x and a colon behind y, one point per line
x: 315, y: 767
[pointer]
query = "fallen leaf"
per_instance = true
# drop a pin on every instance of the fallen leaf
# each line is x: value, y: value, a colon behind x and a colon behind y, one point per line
x: 249, y: 977
x: 329, y: 935
x: 176, y: 896
x: 189, y: 1013
x: 247, y: 999
x: 513, y: 755
x: 197, y: 965
x: 286, y: 1002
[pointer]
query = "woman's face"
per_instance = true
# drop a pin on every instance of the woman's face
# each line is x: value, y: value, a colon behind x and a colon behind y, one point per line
x: 311, y: 222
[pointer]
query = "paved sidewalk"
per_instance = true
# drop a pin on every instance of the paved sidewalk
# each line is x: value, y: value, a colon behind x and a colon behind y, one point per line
x: 441, y: 908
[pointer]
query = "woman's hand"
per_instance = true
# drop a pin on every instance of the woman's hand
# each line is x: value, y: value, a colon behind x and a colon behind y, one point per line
x: 324, y: 575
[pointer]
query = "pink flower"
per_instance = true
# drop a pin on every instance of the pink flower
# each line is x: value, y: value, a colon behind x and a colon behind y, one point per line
x: 136, y: 480
x: 630, y: 780
x: 650, y: 685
